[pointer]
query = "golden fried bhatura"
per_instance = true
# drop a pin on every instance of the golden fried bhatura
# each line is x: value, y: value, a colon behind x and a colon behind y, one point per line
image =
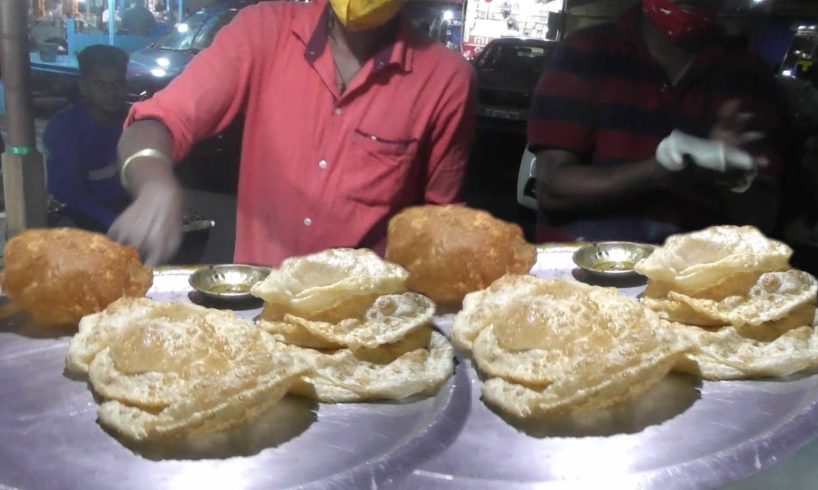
x: 451, y: 251
x: 60, y: 275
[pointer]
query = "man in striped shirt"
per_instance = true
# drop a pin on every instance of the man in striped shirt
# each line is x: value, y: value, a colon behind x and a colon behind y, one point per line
x: 650, y: 127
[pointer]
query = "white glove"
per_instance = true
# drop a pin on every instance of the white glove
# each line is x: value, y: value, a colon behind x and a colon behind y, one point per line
x: 710, y: 154
x: 153, y: 223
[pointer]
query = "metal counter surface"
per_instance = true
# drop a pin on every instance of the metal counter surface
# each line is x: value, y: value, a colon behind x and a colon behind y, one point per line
x: 681, y: 434
x: 50, y: 438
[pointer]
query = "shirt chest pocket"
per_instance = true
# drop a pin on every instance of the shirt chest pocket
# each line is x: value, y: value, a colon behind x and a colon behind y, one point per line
x: 382, y: 170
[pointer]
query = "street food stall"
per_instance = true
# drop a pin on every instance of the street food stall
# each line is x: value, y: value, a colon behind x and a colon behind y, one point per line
x: 683, y: 432
x: 465, y: 358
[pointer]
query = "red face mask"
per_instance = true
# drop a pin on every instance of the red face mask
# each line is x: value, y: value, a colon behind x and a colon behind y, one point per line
x: 678, y: 23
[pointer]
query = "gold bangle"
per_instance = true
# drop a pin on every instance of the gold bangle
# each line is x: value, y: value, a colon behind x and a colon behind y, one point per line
x: 146, y: 153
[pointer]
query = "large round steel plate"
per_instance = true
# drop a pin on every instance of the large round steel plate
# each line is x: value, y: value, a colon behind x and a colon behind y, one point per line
x: 681, y: 434
x: 50, y: 438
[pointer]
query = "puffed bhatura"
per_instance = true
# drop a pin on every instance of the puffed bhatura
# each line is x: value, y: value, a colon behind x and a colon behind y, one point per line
x: 731, y: 292
x: 347, y: 315
x: 451, y: 251
x: 556, y: 346
x: 60, y: 275
x: 167, y: 370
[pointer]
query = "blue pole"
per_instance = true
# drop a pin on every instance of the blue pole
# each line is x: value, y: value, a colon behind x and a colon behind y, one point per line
x: 181, y: 10
x: 111, y: 21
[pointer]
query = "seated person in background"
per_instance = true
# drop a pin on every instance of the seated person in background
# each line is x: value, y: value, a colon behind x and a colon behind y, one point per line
x: 80, y: 142
x: 651, y: 127
x: 138, y: 20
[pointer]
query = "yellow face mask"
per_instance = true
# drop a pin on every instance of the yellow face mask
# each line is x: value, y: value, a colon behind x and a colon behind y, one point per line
x: 363, y: 15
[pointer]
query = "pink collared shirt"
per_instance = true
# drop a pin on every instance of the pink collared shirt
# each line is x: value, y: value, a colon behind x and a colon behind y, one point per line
x: 319, y: 168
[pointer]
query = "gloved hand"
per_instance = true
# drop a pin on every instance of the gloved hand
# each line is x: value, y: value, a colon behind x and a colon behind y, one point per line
x: 711, y: 154
x: 152, y: 223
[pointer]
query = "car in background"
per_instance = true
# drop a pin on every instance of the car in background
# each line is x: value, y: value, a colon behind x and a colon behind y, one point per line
x: 212, y: 164
x: 152, y: 68
x: 507, y: 73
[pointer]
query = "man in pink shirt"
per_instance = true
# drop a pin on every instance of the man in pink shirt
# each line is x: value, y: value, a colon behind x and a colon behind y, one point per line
x: 350, y: 116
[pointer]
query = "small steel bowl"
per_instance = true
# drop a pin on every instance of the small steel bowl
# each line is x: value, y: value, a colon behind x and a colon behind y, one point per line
x: 231, y: 282
x: 612, y: 260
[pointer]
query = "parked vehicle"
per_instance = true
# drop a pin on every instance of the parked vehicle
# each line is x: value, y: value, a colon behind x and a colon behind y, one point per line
x: 152, y: 68
x: 799, y: 62
x: 213, y: 164
x: 507, y: 73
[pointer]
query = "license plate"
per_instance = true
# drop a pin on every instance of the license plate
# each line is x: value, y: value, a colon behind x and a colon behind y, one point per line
x: 503, y: 114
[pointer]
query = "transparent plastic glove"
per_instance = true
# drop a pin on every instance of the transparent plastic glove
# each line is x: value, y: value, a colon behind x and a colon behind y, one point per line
x: 153, y: 223
x: 710, y: 154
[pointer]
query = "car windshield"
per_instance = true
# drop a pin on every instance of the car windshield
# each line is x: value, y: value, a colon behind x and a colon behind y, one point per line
x: 507, y: 56
x: 211, y: 27
x: 182, y: 36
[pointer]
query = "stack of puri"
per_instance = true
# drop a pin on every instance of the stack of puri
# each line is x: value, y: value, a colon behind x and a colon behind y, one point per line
x: 732, y: 293
x: 168, y: 370
x: 553, y: 346
x: 347, y: 314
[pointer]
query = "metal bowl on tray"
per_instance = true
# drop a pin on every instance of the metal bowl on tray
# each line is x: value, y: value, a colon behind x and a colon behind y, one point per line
x: 612, y: 260
x: 231, y: 282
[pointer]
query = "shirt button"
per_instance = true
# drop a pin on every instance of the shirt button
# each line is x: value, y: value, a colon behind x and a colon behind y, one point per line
x: 307, y: 222
x: 323, y: 164
x: 338, y: 111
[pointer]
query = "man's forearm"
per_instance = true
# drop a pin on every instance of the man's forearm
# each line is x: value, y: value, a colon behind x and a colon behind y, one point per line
x: 144, y: 135
x: 572, y: 187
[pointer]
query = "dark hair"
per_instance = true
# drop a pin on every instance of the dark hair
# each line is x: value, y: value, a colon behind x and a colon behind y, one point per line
x: 101, y: 56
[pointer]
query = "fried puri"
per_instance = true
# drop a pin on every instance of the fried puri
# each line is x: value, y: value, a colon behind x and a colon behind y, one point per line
x: 167, y: 370
x: 60, y: 275
x: 731, y: 292
x: 549, y: 347
x: 328, y: 286
x: 346, y: 314
x: 451, y: 251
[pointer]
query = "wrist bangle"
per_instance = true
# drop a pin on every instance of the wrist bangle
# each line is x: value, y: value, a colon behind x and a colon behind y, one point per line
x: 146, y: 153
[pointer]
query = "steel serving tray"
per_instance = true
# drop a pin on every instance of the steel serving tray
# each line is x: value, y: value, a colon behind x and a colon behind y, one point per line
x: 50, y: 439
x: 681, y: 434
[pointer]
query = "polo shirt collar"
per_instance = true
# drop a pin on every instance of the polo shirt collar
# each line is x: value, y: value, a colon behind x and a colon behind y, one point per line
x: 312, y: 30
